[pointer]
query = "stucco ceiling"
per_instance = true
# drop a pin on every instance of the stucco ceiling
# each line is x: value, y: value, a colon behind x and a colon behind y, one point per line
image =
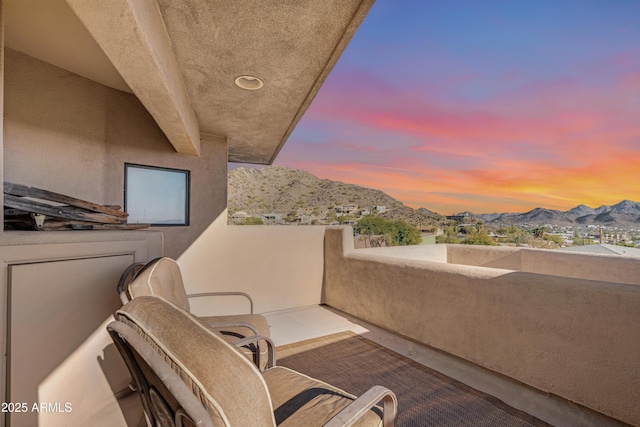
x: 194, y: 51
x: 50, y: 31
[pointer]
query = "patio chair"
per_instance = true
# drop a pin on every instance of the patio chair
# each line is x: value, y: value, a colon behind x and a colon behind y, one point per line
x: 199, y: 378
x: 162, y: 277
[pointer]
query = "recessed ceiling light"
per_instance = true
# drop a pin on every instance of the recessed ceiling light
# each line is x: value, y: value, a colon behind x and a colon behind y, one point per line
x: 249, y: 82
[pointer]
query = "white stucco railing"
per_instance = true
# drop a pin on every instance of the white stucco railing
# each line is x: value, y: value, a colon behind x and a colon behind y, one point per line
x: 608, y: 268
x: 436, y: 253
x: 611, y: 268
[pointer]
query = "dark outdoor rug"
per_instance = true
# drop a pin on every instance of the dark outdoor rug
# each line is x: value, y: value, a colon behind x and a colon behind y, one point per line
x: 425, y: 397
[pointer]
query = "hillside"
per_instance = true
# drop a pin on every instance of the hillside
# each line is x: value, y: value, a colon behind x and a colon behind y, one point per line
x: 293, y: 192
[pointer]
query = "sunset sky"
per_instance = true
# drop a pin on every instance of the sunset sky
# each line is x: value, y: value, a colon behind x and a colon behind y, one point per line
x: 487, y: 106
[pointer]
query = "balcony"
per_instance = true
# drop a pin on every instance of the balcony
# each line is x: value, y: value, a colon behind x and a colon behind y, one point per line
x: 553, y: 334
x: 562, y: 325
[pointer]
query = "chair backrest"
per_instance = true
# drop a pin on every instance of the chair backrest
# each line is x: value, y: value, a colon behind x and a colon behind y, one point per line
x: 162, y: 278
x: 228, y: 385
x: 166, y: 399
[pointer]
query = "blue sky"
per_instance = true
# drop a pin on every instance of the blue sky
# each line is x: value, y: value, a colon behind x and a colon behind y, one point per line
x: 483, y: 105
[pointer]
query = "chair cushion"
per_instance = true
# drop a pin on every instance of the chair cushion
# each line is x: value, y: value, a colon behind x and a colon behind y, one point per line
x: 299, y: 400
x: 230, y: 387
x: 161, y: 278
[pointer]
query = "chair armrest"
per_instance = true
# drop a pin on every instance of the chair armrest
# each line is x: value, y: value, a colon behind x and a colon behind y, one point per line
x: 356, y: 409
x: 124, y: 297
x: 216, y: 294
x: 222, y: 325
x: 271, y: 361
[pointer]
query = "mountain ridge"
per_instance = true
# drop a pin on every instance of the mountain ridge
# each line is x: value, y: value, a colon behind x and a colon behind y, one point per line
x: 286, y: 191
x: 624, y: 213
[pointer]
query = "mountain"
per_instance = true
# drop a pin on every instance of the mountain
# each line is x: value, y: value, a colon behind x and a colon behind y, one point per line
x: 627, y: 207
x: 623, y: 214
x: 581, y: 210
x: 283, y: 191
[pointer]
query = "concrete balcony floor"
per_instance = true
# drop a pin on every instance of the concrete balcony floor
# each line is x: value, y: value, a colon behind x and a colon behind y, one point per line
x: 298, y: 324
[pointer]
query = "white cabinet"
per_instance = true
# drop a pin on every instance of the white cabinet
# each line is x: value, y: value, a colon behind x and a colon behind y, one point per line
x: 56, y: 337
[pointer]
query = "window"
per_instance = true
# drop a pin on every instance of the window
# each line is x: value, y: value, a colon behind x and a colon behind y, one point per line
x: 156, y: 196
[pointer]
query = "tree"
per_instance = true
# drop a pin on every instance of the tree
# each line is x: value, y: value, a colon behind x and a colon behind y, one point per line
x: 515, y: 235
x: 447, y: 239
x: 251, y: 220
x: 539, y: 232
x: 371, y: 224
x: 479, y: 239
x: 553, y: 238
x: 346, y: 218
x: 378, y: 230
x: 478, y: 236
x: 580, y: 241
x: 291, y: 216
x: 373, y: 229
x: 450, y: 233
x: 404, y: 234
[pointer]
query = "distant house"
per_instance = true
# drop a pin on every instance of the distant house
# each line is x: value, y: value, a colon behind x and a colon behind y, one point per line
x: 303, y: 219
x: 346, y: 209
x: 238, y: 217
x: 456, y: 218
x: 380, y: 209
x: 271, y: 218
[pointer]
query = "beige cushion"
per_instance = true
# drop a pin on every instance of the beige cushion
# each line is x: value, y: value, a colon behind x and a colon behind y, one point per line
x: 229, y: 386
x: 299, y: 400
x: 162, y: 279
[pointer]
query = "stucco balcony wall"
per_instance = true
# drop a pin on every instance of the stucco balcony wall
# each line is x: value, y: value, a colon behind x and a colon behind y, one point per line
x: 569, y: 336
x: 436, y: 253
x: 608, y: 268
x: 279, y: 266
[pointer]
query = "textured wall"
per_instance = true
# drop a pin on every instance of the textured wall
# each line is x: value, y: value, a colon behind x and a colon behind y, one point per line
x: 280, y: 267
x: 70, y: 135
x: 609, y: 268
x: 578, y: 339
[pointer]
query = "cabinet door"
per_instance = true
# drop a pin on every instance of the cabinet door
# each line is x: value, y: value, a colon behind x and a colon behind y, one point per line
x: 54, y: 307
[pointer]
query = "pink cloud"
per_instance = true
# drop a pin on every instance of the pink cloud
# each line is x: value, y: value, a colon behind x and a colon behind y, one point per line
x: 553, y: 144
